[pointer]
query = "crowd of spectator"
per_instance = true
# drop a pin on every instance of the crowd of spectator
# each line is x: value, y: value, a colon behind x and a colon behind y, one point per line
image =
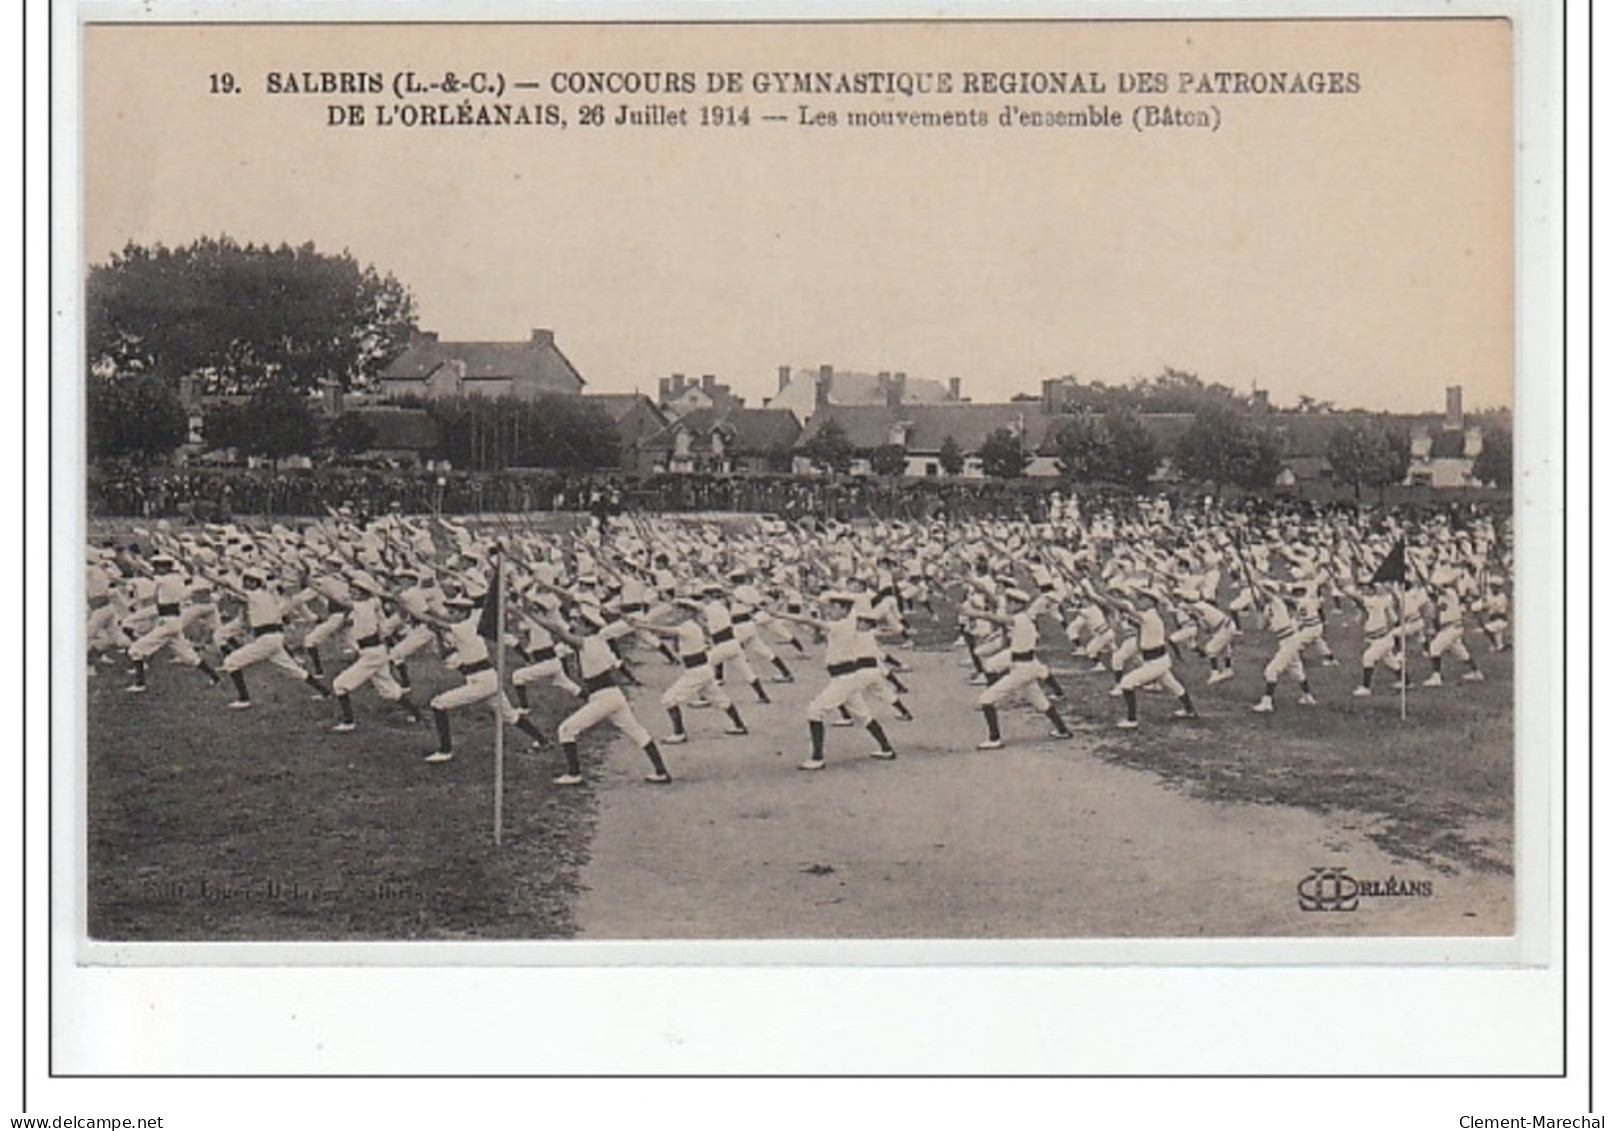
x: 212, y: 495
x: 219, y: 494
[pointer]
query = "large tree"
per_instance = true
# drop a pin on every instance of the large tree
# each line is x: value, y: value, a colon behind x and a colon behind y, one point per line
x: 132, y: 417
x: 829, y: 448
x: 1082, y: 449
x: 349, y: 434
x: 1110, y: 448
x: 1134, y: 456
x: 1495, y: 464
x: 889, y: 460
x: 1002, y: 455
x: 1225, y: 447
x: 1369, y: 455
x: 950, y: 456
x: 241, y: 317
x: 278, y: 422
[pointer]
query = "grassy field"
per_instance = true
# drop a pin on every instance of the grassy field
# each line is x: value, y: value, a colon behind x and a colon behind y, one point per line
x: 206, y: 823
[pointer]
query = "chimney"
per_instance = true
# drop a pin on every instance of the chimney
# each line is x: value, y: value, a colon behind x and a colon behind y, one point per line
x: 676, y: 388
x: 663, y: 385
x: 543, y: 337
x: 883, y: 386
x: 709, y: 383
x: 1455, y: 409
x: 1259, y: 400
x: 821, y: 388
x: 953, y: 388
x: 1049, y: 386
x: 784, y: 377
x: 894, y: 390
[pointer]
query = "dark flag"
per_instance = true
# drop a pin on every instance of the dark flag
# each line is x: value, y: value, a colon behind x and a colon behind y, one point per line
x: 488, y: 621
x: 1395, y: 566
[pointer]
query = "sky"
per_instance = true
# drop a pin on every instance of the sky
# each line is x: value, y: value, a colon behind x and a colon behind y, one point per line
x: 1355, y: 248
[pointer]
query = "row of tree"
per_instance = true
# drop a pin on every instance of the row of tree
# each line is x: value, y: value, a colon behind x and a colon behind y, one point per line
x: 1223, y: 446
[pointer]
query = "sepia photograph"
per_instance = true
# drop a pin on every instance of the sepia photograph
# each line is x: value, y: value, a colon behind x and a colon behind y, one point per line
x: 866, y: 480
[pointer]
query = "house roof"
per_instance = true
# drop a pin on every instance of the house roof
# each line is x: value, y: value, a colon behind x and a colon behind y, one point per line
x: 747, y: 431
x: 619, y: 405
x: 927, y: 426
x: 537, y: 359
x: 850, y: 389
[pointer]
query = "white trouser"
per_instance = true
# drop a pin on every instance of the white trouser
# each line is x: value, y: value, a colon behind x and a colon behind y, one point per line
x: 479, y: 687
x: 606, y: 704
x: 373, y: 667
x: 699, y: 680
x: 269, y: 648
x: 1019, y: 676
x: 170, y: 634
x: 551, y: 669
x: 731, y: 652
x: 1287, y: 658
x: 842, y: 691
x: 1382, y: 649
x: 1449, y: 639
x: 1221, y: 639
x: 413, y: 641
x: 1158, y: 670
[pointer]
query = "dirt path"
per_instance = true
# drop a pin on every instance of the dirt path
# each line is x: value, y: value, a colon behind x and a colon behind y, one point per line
x: 1041, y: 839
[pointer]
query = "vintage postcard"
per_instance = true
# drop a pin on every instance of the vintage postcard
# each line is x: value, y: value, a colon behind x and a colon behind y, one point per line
x: 871, y: 491
x: 1089, y: 444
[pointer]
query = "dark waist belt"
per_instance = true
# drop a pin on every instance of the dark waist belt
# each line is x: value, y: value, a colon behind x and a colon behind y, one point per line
x: 1046, y: 587
x: 334, y: 607
x: 742, y: 618
x: 168, y: 610
x: 266, y: 629
x: 1153, y: 653
x: 595, y: 684
x: 634, y: 608
x: 793, y: 608
x: 694, y: 660
x: 1378, y: 634
x: 1285, y: 634
x: 473, y: 669
x: 1022, y: 657
x: 1312, y: 624
x: 372, y: 641
x: 847, y: 667
x: 723, y: 635
x: 866, y: 662
x: 544, y: 655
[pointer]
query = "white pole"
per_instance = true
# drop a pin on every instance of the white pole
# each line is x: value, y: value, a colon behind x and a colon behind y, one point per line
x: 1402, y: 645
x: 499, y: 715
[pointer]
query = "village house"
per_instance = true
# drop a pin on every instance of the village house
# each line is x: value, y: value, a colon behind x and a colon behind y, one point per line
x: 721, y: 441
x: 806, y: 391
x: 678, y: 395
x: 637, y: 420
x: 430, y: 369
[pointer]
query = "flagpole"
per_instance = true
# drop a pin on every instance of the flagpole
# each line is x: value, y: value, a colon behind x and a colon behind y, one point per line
x: 1402, y: 647
x: 499, y: 715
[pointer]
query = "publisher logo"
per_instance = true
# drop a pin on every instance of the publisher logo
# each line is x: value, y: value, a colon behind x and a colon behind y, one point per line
x: 1327, y: 889
x: 1335, y: 889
